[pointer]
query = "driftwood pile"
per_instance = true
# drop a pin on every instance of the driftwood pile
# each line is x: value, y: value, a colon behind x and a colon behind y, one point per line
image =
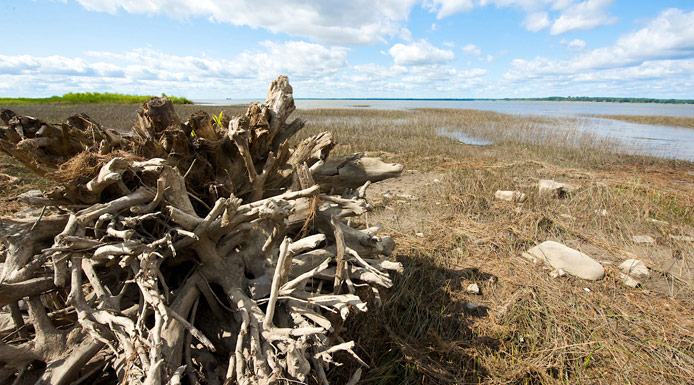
x: 206, y: 251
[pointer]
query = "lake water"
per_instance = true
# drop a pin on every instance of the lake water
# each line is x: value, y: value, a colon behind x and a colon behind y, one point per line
x: 662, y: 141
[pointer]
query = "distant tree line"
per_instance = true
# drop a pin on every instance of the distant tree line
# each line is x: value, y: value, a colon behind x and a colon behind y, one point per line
x: 606, y: 99
x: 92, y: 97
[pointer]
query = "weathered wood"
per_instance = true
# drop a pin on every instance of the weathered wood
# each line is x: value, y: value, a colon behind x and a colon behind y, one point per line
x: 208, y: 213
x: 160, y: 114
x: 200, y: 124
x: 353, y: 170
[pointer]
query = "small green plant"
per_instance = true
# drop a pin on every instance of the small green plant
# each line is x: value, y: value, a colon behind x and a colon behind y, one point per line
x: 218, y: 118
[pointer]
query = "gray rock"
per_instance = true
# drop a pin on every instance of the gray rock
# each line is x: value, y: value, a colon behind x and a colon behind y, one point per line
x: 634, y: 268
x: 571, y: 261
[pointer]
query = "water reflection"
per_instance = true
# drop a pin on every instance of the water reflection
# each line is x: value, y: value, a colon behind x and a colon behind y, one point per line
x: 463, y: 137
x: 660, y: 141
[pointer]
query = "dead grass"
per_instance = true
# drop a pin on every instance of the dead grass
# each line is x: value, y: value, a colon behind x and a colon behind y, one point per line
x: 528, y: 328
x: 534, y: 329
x: 673, y: 121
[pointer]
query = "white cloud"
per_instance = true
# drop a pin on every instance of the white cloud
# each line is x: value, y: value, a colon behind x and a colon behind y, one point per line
x: 663, y: 48
x: 419, y: 53
x: 445, y: 8
x: 357, y: 21
x: 536, y: 21
x: 472, y: 49
x: 149, y: 71
x: 562, y: 15
x: 444, y: 78
x: 584, y: 15
x: 325, y: 21
x: 369, y: 73
x: 405, y: 34
x: 413, y: 81
x: 575, y: 44
x: 314, y: 70
x: 647, y: 71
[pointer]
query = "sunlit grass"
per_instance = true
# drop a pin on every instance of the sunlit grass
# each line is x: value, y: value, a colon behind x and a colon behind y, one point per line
x: 552, y: 331
x: 91, y: 98
x: 672, y: 121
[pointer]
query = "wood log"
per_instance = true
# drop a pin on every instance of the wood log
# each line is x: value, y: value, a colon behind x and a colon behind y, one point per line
x: 352, y: 171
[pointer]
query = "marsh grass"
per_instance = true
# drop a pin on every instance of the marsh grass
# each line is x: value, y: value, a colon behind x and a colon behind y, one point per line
x: 553, y: 331
x: 534, y: 329
x: 416, y: 135
x: 528, y: 328
x: 672, y: 121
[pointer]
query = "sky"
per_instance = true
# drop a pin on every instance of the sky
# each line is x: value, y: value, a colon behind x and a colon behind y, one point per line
x: 216, y: 49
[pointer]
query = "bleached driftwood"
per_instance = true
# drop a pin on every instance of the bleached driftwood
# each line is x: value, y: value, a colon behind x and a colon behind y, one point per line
x: 194, y: 254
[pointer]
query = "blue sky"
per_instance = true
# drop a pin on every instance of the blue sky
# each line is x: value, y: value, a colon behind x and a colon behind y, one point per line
x: 350, y: 48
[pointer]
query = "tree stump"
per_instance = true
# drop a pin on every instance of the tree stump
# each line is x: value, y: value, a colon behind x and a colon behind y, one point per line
x: 185, y: 252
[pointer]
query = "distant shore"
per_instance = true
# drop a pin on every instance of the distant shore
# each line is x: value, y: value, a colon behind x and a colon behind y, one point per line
x: 97, y: 97
x: 92, y: 98
x: 593, y: 99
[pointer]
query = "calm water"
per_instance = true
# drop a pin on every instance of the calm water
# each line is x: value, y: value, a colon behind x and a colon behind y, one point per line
x: 662, y: 141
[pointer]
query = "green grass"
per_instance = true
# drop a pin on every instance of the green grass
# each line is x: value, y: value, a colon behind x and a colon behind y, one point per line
x: 92, y: 98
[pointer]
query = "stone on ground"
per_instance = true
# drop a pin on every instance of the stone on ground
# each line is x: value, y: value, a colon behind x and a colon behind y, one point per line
x: 473, y: 288
x: 628, y: 280
x: 510, y: 196
x: 557, y: 273
x: 634, y: 268
x: 569, y: 260
x: 554, y: 189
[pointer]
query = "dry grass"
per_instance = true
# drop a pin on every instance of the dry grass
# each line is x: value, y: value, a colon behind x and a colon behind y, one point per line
x: 535, y: 329
x: 528, y: 328
x: 532, y: 328
x: 673, y: 121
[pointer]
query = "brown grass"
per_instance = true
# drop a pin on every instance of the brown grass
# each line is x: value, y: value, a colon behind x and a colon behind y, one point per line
x: 535, y: 329
x: 528, y: 328
x: 673, y: 121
